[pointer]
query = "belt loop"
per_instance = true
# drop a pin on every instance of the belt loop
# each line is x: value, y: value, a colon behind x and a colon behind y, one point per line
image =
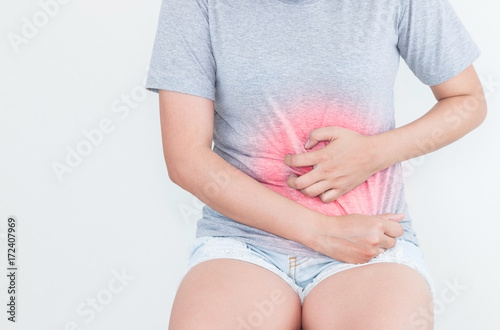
x: 292, y: 264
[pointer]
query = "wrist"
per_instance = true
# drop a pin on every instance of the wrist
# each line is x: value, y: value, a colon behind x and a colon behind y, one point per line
x: 384, y: 151
x: 321, y: 227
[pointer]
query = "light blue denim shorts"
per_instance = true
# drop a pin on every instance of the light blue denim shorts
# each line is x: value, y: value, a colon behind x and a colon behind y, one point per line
x: 301, y: 273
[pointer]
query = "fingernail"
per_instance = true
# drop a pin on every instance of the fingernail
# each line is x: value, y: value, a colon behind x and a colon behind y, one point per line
x: 307, y: 144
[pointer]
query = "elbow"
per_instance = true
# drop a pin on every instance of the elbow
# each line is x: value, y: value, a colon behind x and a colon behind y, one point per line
x: 481, y: 110
x: 175, y: 169
x: 473, y: 110
x: 479, y: 98
x: 174, y: 174
x: 184, y: 167
x: 177, y: 173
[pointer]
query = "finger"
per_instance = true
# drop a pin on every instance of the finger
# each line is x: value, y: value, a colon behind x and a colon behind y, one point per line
x: 393, y: 216
x: 331, y: 195
x: 305, y: 180
x: 308, y: 185
x: 316, y: 189
x: 393, y: 229
x: 304, y: 159
x: 329, y: 133
x: 291, y: 181
x: 388, y: 242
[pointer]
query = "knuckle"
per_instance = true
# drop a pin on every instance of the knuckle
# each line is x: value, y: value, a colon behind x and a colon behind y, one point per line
x: 367, y: 253
x: 374, y: 240
x: 323, y: 157
x: 299, y: 184
x: 374, y: 251
x: 308, y: 192
x: 324, y: 198
x: 291, y: 182
x: 291, y: 160
x: 393, y: 243
x: 379, y: 226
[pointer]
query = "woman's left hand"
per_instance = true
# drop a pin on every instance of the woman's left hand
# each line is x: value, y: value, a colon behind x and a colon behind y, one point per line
x: 346, y: 162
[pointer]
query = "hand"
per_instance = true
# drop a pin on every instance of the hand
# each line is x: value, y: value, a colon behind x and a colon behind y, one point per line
x: 356, y: 238
x: 347, y: 161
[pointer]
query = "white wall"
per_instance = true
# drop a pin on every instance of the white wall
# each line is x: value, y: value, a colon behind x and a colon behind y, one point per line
x: 115, y: 210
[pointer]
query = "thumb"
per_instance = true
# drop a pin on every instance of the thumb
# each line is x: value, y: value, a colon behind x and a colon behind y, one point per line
x: 329, y: 133
x: 394, y: 216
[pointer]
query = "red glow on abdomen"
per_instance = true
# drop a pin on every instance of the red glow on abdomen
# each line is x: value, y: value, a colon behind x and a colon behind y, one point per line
x: 287, y: 134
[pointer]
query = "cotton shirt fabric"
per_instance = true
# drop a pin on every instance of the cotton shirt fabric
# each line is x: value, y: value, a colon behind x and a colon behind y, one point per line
x: 277, y: 69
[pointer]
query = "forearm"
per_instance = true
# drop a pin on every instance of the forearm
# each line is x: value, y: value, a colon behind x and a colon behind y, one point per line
x: 238, y: 196
x: 449, y: 120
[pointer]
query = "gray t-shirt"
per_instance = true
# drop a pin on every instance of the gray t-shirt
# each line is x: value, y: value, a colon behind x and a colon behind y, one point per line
x: 277, y: 69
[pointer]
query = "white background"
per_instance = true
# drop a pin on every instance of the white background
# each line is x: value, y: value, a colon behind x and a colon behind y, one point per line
x: 116, y: 211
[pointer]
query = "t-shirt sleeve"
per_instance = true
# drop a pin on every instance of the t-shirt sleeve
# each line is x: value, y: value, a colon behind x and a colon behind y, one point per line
x: 182, y: 59
x: 433, y: 41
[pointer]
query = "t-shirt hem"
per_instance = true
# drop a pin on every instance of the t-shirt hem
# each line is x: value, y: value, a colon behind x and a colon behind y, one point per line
x: 455, y: 71
x: 155, y: 86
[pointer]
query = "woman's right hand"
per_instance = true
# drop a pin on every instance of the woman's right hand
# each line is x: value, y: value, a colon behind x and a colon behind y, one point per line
x: 356, y: 238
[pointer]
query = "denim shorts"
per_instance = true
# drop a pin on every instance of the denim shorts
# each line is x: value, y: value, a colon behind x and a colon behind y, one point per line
x: 301, y: 273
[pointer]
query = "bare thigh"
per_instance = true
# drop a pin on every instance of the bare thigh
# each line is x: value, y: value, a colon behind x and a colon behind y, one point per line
x: 385, y: 296
x: 231, y: 294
